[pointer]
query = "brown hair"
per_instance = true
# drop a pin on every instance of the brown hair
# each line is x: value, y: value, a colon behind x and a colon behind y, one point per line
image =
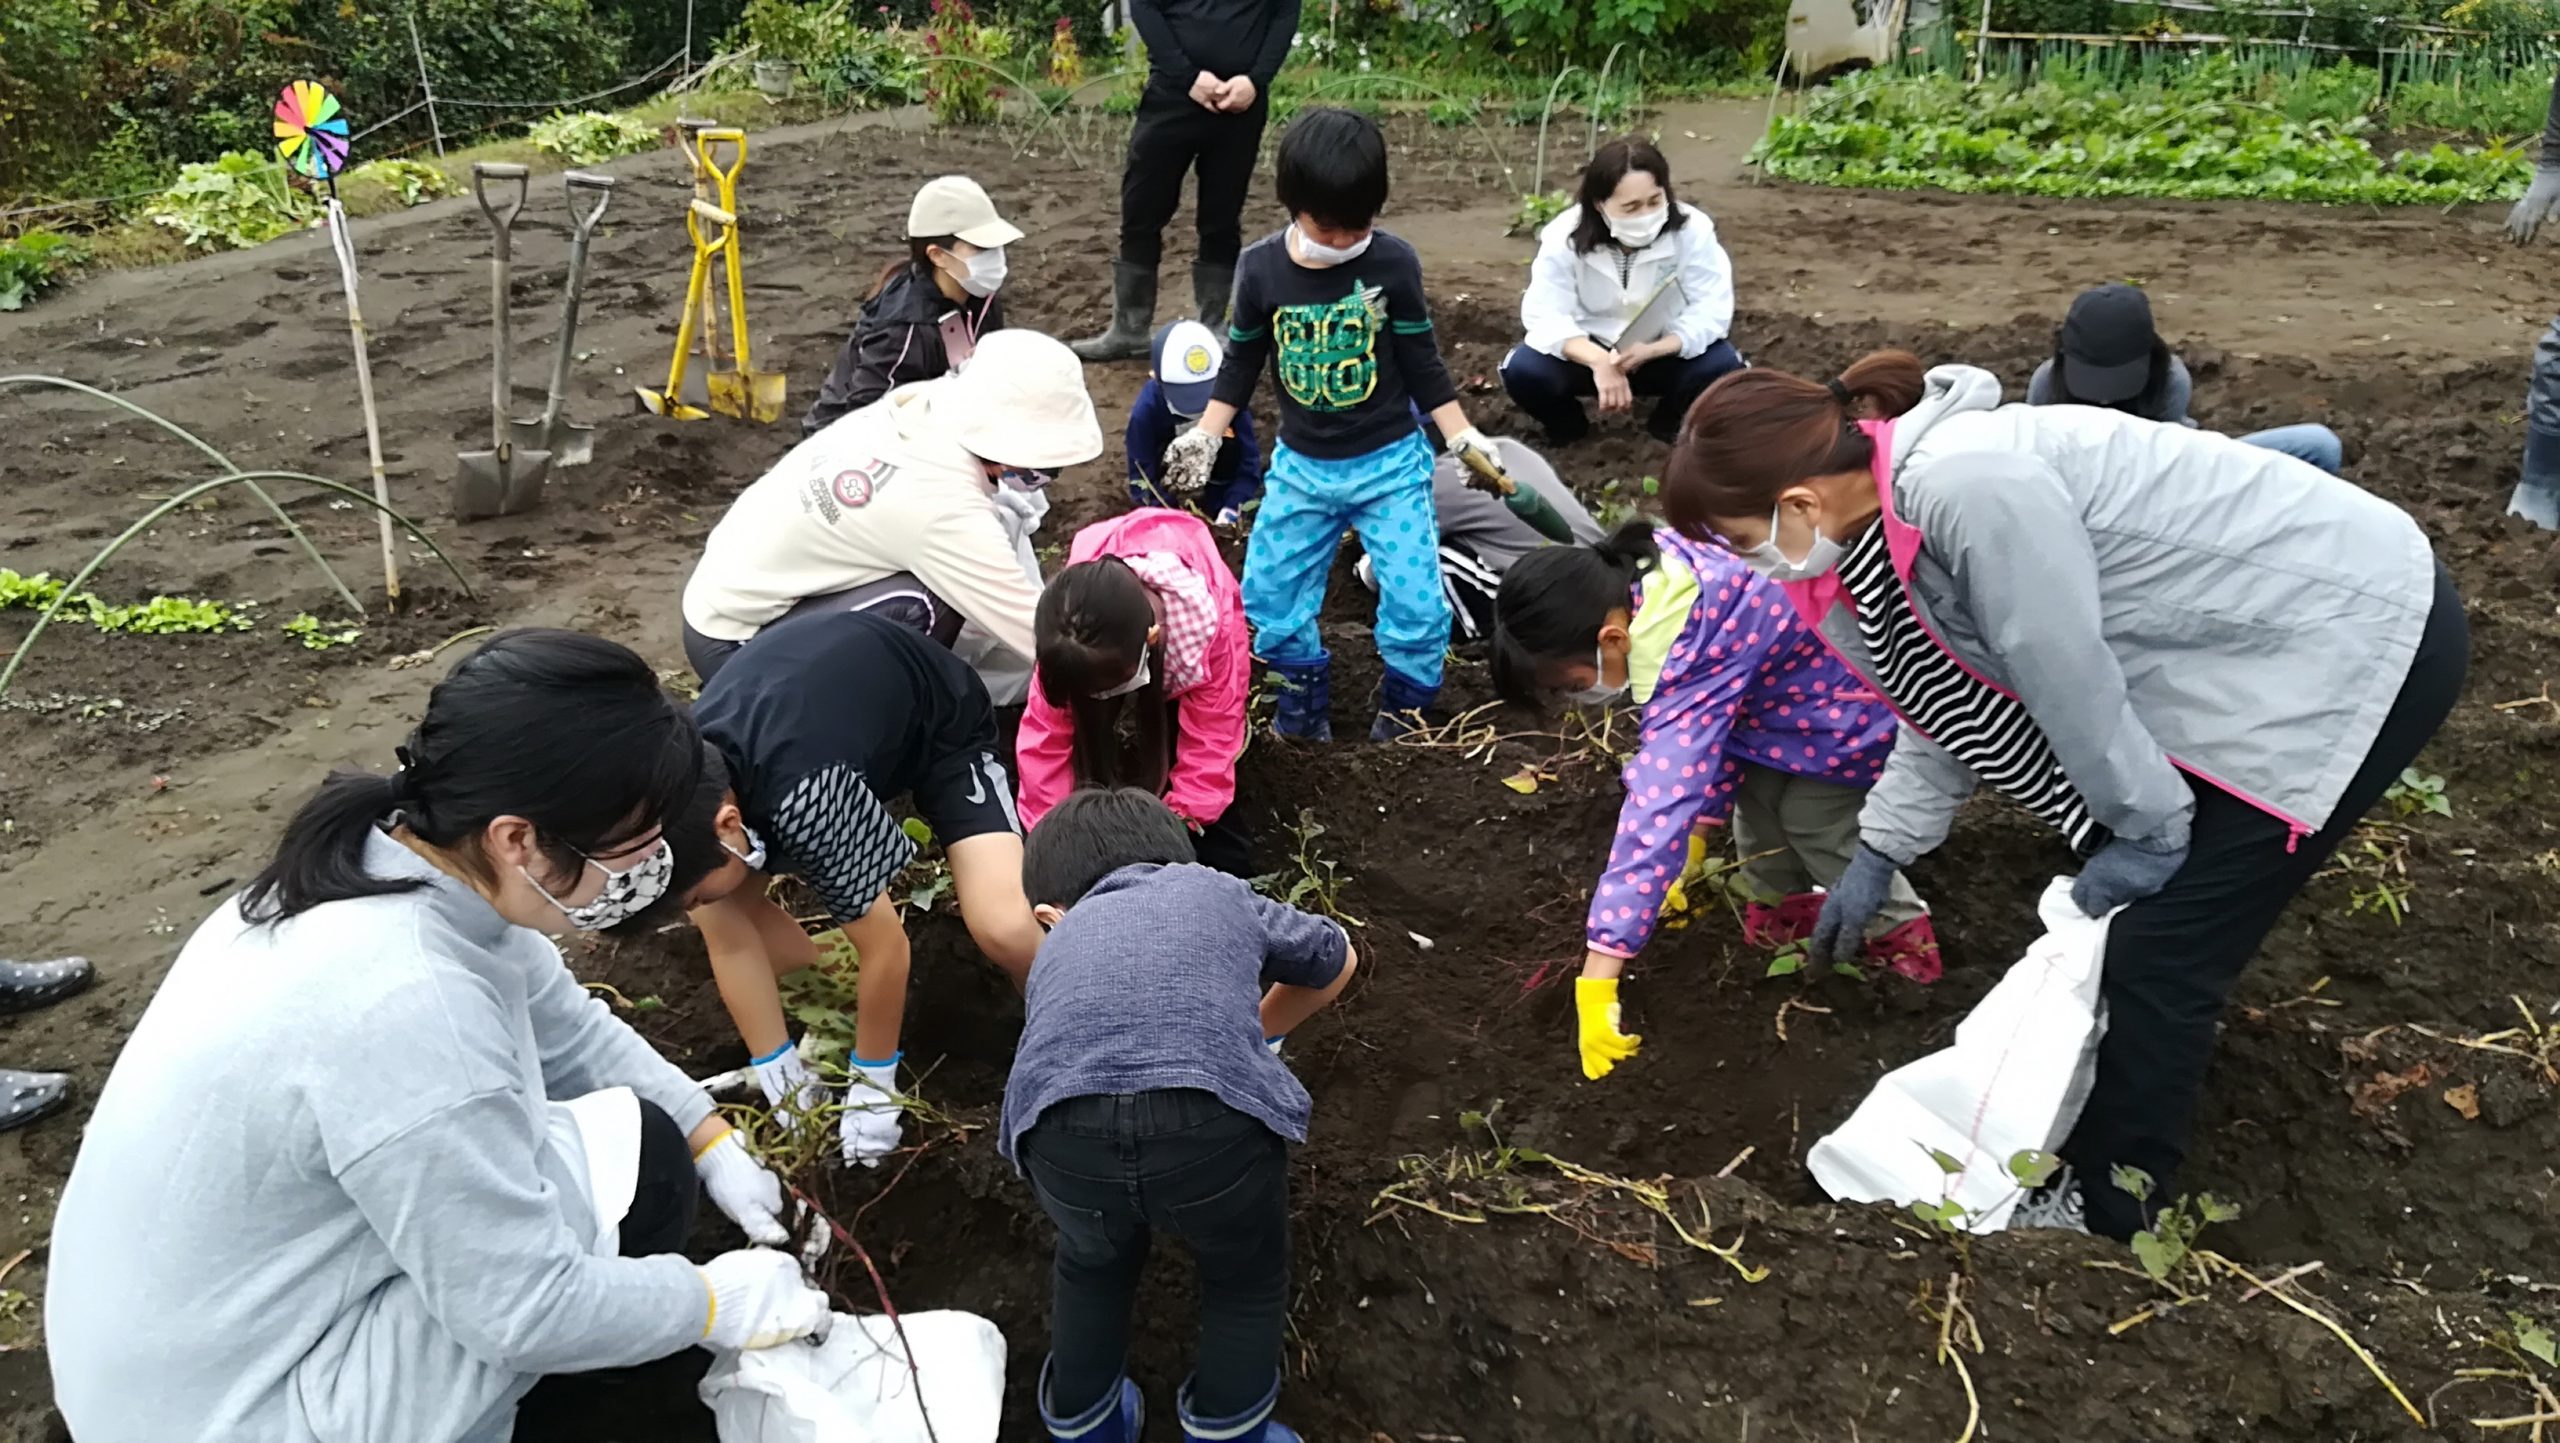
x: 1759, y: 431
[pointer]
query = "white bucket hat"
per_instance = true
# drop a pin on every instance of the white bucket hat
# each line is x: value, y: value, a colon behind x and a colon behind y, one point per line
x: 955, y: 205
x: 1021, y: 401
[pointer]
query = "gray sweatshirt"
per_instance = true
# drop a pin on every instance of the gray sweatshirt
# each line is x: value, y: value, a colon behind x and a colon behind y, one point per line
x: 315, y: 1204
x: 1484, y: 525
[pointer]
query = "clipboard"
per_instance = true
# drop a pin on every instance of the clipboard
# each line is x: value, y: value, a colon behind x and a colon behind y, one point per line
x: 1653, y: 322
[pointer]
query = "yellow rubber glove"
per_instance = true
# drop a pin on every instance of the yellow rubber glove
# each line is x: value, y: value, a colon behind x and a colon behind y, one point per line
x: 1675, y: 898
x: 1595, y: 1006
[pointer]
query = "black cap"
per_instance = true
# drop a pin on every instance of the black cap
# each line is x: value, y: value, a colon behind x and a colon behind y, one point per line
x: 2106, y: 345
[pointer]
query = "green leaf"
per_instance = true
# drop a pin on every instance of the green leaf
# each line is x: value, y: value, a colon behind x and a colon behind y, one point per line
x: 2158, y: 1258
x: 2214, y: 1210
x: 1946, y: 1162
x: 1850, y: 970
x: 2534, y: 1340
x: 2131, y: 1180
x: 917, y: 832
x: 1785, y: 964
x: 2033, y: 1168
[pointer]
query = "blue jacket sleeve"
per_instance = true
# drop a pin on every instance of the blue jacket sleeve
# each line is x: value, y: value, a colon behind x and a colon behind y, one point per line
x: 1150, y: 431
x: 1248, y: 453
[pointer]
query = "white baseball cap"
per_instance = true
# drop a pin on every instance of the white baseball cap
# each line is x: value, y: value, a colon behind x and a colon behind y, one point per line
x: 1021, y: 401
x: 1187, y: 358
x: 955, y: 205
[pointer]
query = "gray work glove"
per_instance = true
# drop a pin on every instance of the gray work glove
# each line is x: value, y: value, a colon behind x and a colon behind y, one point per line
x: 2126, y: 870
x: 2541, y: 203
x: 1840, y: 932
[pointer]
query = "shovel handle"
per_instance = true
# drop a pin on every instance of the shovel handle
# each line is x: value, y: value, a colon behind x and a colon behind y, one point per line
x: 501, y: 214
x: 599, y: 189
x: 706, y: 145
x: 703, y: 210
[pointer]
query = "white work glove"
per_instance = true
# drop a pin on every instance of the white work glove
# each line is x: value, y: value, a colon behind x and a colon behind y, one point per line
x: 759, y: 1300
x: 871, y: 1111
x: 743, y: 1189
x: 2541, y: 203
x: 1187, y: 463
x: 1472, y: 442
x: 787, y: 1081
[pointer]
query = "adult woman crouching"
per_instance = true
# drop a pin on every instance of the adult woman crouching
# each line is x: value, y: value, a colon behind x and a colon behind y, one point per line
x: 373, y: 1161
x: 2199, y: 660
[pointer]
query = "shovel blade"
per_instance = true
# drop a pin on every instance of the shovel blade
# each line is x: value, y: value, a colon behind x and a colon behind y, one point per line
x: 492, y: 483
x: 659, y: 403
x: 570, y: 444
x: 748, y: 395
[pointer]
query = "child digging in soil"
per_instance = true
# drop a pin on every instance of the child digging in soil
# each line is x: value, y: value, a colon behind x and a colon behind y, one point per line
x: 1744, y: 709
x: 1147, y: 1094
x: 1144, y: 672
x: 1336, y: 306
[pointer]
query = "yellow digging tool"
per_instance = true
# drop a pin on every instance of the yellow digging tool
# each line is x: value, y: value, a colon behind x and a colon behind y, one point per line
x: 670, y: 402
x: 744, y: 392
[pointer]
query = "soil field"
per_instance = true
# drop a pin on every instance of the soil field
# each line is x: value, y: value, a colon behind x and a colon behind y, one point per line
x: 1489, y: 1248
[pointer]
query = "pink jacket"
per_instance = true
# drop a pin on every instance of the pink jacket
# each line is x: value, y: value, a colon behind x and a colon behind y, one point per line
x: 1211, y: 716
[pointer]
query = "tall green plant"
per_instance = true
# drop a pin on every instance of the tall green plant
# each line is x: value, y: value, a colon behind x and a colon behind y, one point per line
x: 241, y: 199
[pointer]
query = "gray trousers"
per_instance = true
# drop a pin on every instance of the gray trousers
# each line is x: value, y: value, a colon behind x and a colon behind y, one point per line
x: 1797, y: 833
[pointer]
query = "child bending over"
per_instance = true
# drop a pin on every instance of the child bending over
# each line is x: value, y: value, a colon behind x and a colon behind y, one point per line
x: 1145, y: 1097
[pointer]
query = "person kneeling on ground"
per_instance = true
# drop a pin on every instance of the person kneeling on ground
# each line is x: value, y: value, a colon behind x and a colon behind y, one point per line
x: 373, y: 1161
x: 1186, y: 371
x: 1337, y: 308
x: 1148, y: 1093
x: 1481, y: 534
x: 925, y: 314
x: 813, y: 731
x: 2108, y: 354
x: 2054, y: 601
x: 1627, y: 247
x: 1144, y: 674
x: 922, y: 504
x: 1743, y: 709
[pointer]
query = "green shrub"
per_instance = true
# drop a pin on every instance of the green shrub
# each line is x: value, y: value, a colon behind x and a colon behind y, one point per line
x: 35, y: 263
x: 414, y: 181
x: 242, y: 199
x: 1450, y: 114
x: 960, y: 86
x: 590, y: 136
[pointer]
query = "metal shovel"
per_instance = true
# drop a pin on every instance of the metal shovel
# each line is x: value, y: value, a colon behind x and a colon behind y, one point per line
x: 569, y: 443
x: 502, y: 480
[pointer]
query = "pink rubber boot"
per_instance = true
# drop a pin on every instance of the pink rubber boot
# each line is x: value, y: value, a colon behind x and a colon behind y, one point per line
x: 1910, y: 950
x: 1790, y: 919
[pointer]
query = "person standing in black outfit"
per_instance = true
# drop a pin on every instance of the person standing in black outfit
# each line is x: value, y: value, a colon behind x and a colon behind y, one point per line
x: 1210, y: 65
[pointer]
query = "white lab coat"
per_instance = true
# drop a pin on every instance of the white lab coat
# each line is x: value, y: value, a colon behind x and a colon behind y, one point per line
x: 1574, y: 295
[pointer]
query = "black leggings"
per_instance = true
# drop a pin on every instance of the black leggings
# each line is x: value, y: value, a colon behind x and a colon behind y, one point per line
x: 2173, y: 957
x: 662, y: 1207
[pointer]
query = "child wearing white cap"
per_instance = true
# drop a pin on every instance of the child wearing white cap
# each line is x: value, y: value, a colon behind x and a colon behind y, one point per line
x: 1187, y: 359
x: 927, y: 310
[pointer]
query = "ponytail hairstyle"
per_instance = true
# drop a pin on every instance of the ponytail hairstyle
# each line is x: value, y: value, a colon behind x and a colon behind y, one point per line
x: 568, y: 731
x: 1757, y: 432
x: 1554, y: 601
x: 1091, y: 628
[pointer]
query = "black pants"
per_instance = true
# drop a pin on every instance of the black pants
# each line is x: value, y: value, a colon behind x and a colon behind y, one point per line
x: 662, y: 1207
x: 901, y: 598
x: 1174, y: 133
x: 1111, y: 1170
x: 2172, y: 958
x: 1552, y: 389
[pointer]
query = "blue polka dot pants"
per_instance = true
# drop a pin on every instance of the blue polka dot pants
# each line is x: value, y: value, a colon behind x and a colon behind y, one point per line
x: 1306, y: 505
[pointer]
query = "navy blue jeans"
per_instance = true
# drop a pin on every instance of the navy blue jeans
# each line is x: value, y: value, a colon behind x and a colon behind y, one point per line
x: 1552, y: 390
x: 1109, y: 1171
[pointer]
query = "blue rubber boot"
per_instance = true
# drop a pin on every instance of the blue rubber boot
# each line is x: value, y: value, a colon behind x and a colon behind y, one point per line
x: 2537, y: 494
x: 1404, y: 705
x: 1119, y: 1418
x: 1253, y: 1425
x: 1302, y: 700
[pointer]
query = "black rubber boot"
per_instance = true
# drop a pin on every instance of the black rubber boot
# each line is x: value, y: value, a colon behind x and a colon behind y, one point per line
x: 26, y: 986
x: 1211, y: 288
x: 1133, y: 312
x: 2537, y: 493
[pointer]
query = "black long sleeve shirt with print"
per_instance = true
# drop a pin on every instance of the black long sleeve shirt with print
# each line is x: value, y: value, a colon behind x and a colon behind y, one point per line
x: 1351, y: 345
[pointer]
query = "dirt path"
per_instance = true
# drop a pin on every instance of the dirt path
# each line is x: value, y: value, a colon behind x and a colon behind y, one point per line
x: 142, y: 778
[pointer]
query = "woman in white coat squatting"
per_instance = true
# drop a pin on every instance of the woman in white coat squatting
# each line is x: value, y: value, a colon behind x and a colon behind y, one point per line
x: 2198, y: 660
x: 373, y: 1162
x: 1630, y: 296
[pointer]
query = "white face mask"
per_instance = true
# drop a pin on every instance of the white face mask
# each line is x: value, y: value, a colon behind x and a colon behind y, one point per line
x: 1599, y: 693
x: 1774, y: 564
x: 1635, y: 232
x: 753, y: 856
x: 1315, y: 250
x: 626, y: 894
x: 1137, y: 679
x: 985, y: 273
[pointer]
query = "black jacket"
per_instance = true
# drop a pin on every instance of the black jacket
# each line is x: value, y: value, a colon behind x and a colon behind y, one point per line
x: 896, y: 339
x: 1227, y: 38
